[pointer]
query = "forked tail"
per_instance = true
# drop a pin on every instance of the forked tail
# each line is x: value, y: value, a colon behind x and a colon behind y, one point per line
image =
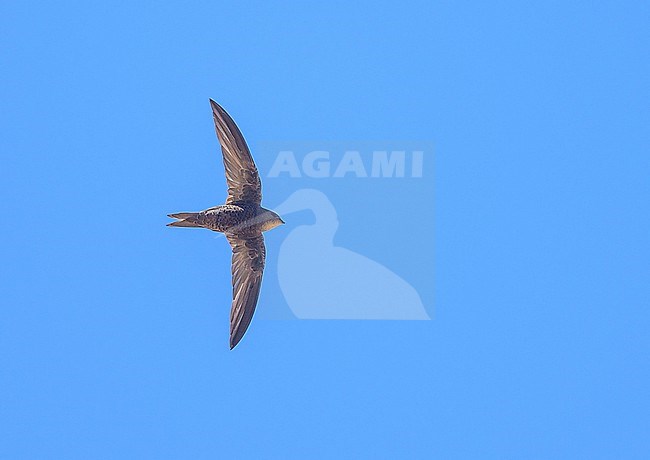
x: 185, y: 219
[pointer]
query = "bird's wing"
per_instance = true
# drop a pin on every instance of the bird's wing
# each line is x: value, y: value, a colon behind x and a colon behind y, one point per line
x: 241, y: 173
x: 247, y: 267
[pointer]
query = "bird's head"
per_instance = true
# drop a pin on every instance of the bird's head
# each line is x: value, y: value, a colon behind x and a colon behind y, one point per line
x: 270, y: 220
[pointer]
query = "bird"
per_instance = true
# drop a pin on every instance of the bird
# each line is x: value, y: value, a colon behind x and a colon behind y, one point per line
x: 242, y: 219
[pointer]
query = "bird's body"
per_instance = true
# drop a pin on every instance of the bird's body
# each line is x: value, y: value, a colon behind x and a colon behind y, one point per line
x: 239, y: 218
x: 242, y: 219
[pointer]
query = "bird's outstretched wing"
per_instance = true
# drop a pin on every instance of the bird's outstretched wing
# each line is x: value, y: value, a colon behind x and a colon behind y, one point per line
x: 241, y: 172
x: 247, y: 267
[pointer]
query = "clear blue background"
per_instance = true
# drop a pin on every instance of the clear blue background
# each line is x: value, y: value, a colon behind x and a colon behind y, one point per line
x: 113, y: 328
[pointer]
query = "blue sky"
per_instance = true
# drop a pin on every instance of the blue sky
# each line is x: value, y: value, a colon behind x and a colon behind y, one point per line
x: 113, y: 328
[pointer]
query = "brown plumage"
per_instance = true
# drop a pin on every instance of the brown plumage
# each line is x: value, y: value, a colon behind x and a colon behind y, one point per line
x: 242, y: 219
